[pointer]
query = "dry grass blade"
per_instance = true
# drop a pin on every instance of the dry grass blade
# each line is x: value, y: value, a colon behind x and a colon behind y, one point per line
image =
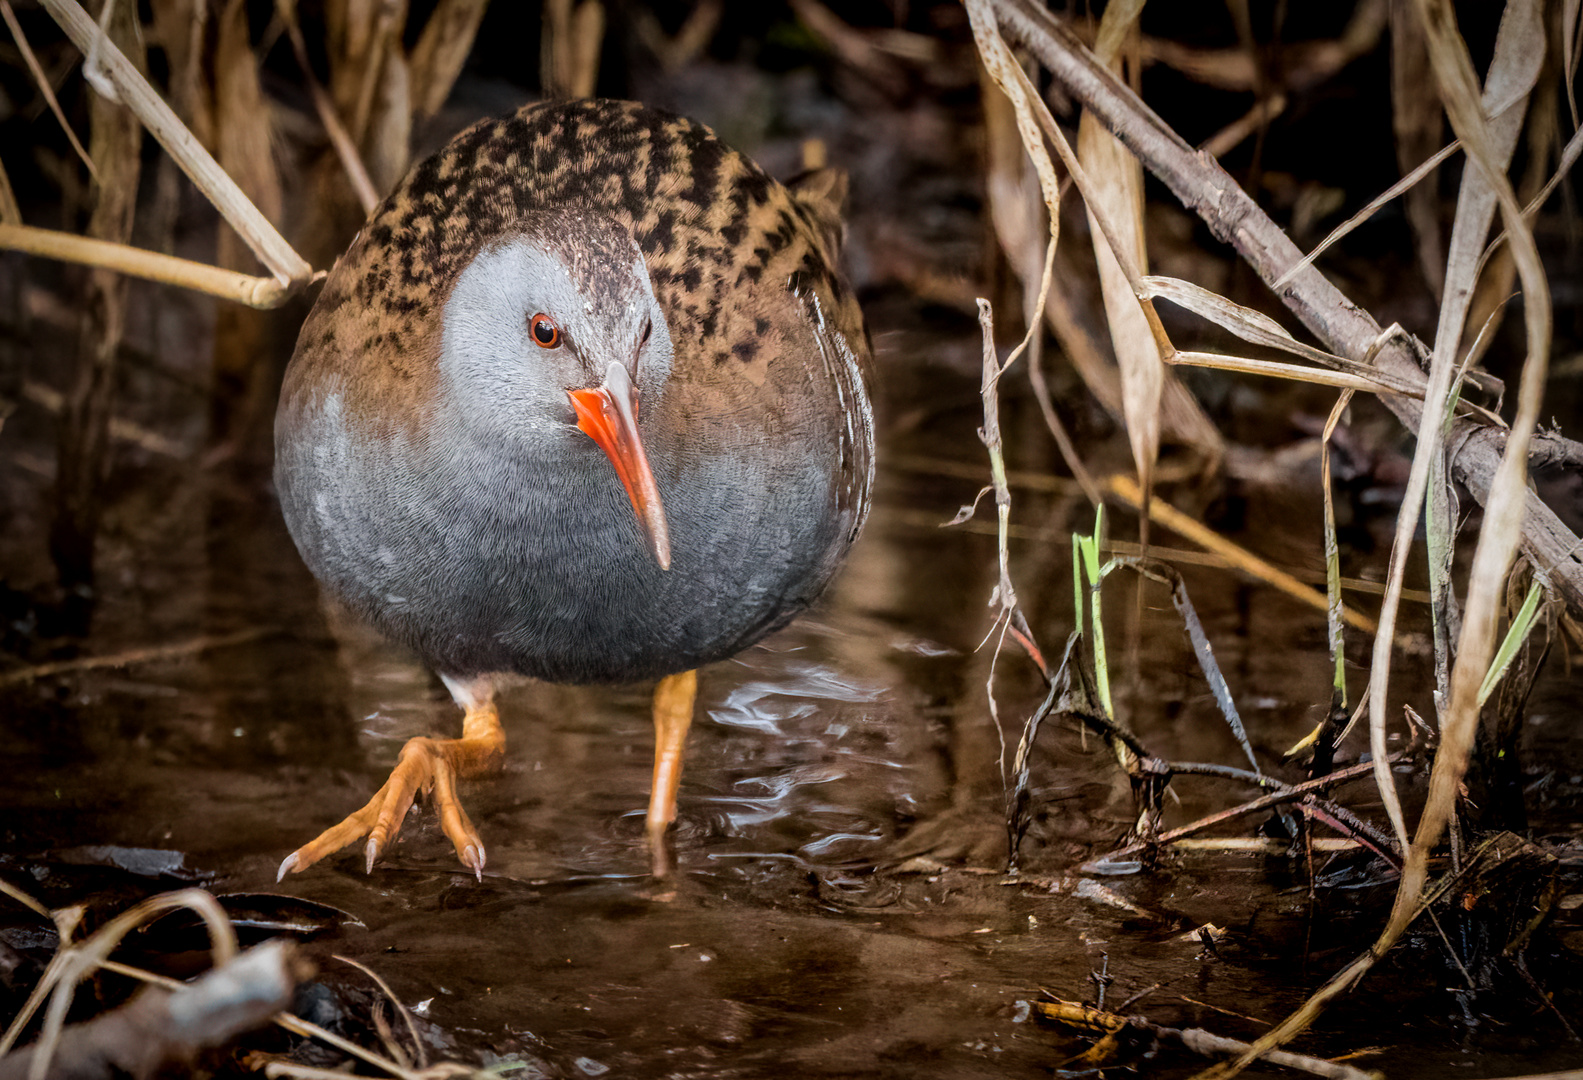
x: 340, y: 139
x: 412, y: 1029
x: 1513, y: 65
x: 1115, y: 195
x: 10, y: 212
x: 80, y: 961
x: 45, y: 89
x: 1295, y: 372
x: 1569, y: 157
x: 289, y: 269
x: 1406, y: 183
x: 1257, y: 328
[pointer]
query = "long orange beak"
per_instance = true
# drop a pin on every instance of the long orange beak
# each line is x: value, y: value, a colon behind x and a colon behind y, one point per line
x: 608, y: 414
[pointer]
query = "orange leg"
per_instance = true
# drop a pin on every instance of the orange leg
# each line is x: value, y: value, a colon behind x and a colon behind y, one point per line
x: 673, y: 714
x: 433, y: 765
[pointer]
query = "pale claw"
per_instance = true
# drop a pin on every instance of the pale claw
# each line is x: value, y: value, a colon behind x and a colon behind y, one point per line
x: 287, y: 866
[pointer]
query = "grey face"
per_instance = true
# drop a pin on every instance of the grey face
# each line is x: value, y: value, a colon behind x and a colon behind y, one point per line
x: 539, y: 313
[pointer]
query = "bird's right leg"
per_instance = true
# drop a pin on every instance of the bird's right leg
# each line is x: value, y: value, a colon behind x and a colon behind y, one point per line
x: 433, y: 765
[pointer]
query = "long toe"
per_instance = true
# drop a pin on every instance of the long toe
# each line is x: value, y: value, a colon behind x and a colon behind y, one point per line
x: 425, y: 764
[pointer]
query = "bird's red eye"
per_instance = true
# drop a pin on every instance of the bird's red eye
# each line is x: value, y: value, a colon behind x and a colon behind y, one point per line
x: 545, y: 333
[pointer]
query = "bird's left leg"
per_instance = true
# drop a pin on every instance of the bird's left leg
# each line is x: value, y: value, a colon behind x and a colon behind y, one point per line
x: 433, y: 765
x: 673, y: 714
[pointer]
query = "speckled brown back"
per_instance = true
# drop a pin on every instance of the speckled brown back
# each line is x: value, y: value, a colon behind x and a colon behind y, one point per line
x: 709, y: 221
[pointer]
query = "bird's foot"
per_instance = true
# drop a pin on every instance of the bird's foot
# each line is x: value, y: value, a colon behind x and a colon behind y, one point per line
x: 433, y: 765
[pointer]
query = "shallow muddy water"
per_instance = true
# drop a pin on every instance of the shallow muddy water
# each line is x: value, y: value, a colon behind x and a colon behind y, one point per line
x: 803, y: 934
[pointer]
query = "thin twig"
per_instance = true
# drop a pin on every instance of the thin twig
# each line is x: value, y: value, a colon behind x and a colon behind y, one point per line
x: 152, y: 654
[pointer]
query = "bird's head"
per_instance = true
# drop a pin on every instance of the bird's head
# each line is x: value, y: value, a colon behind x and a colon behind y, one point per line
x: 555, y: 327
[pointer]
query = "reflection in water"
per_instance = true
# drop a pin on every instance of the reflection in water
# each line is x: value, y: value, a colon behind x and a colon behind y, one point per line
x: 767, y: 706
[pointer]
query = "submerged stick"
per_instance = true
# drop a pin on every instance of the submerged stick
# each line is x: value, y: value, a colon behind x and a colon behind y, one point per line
x: 149, y: 655
x: 1199, y: 1041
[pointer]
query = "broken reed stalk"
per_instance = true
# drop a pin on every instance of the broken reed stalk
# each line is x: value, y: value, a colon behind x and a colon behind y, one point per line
x: 290, y: 272
x: 140, y: 263
x: 1004, y: 596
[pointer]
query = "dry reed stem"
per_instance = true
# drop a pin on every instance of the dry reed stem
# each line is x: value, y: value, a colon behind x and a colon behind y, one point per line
x: 290, y: 272
x: 141, y: 263
x: 1497, y: 545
